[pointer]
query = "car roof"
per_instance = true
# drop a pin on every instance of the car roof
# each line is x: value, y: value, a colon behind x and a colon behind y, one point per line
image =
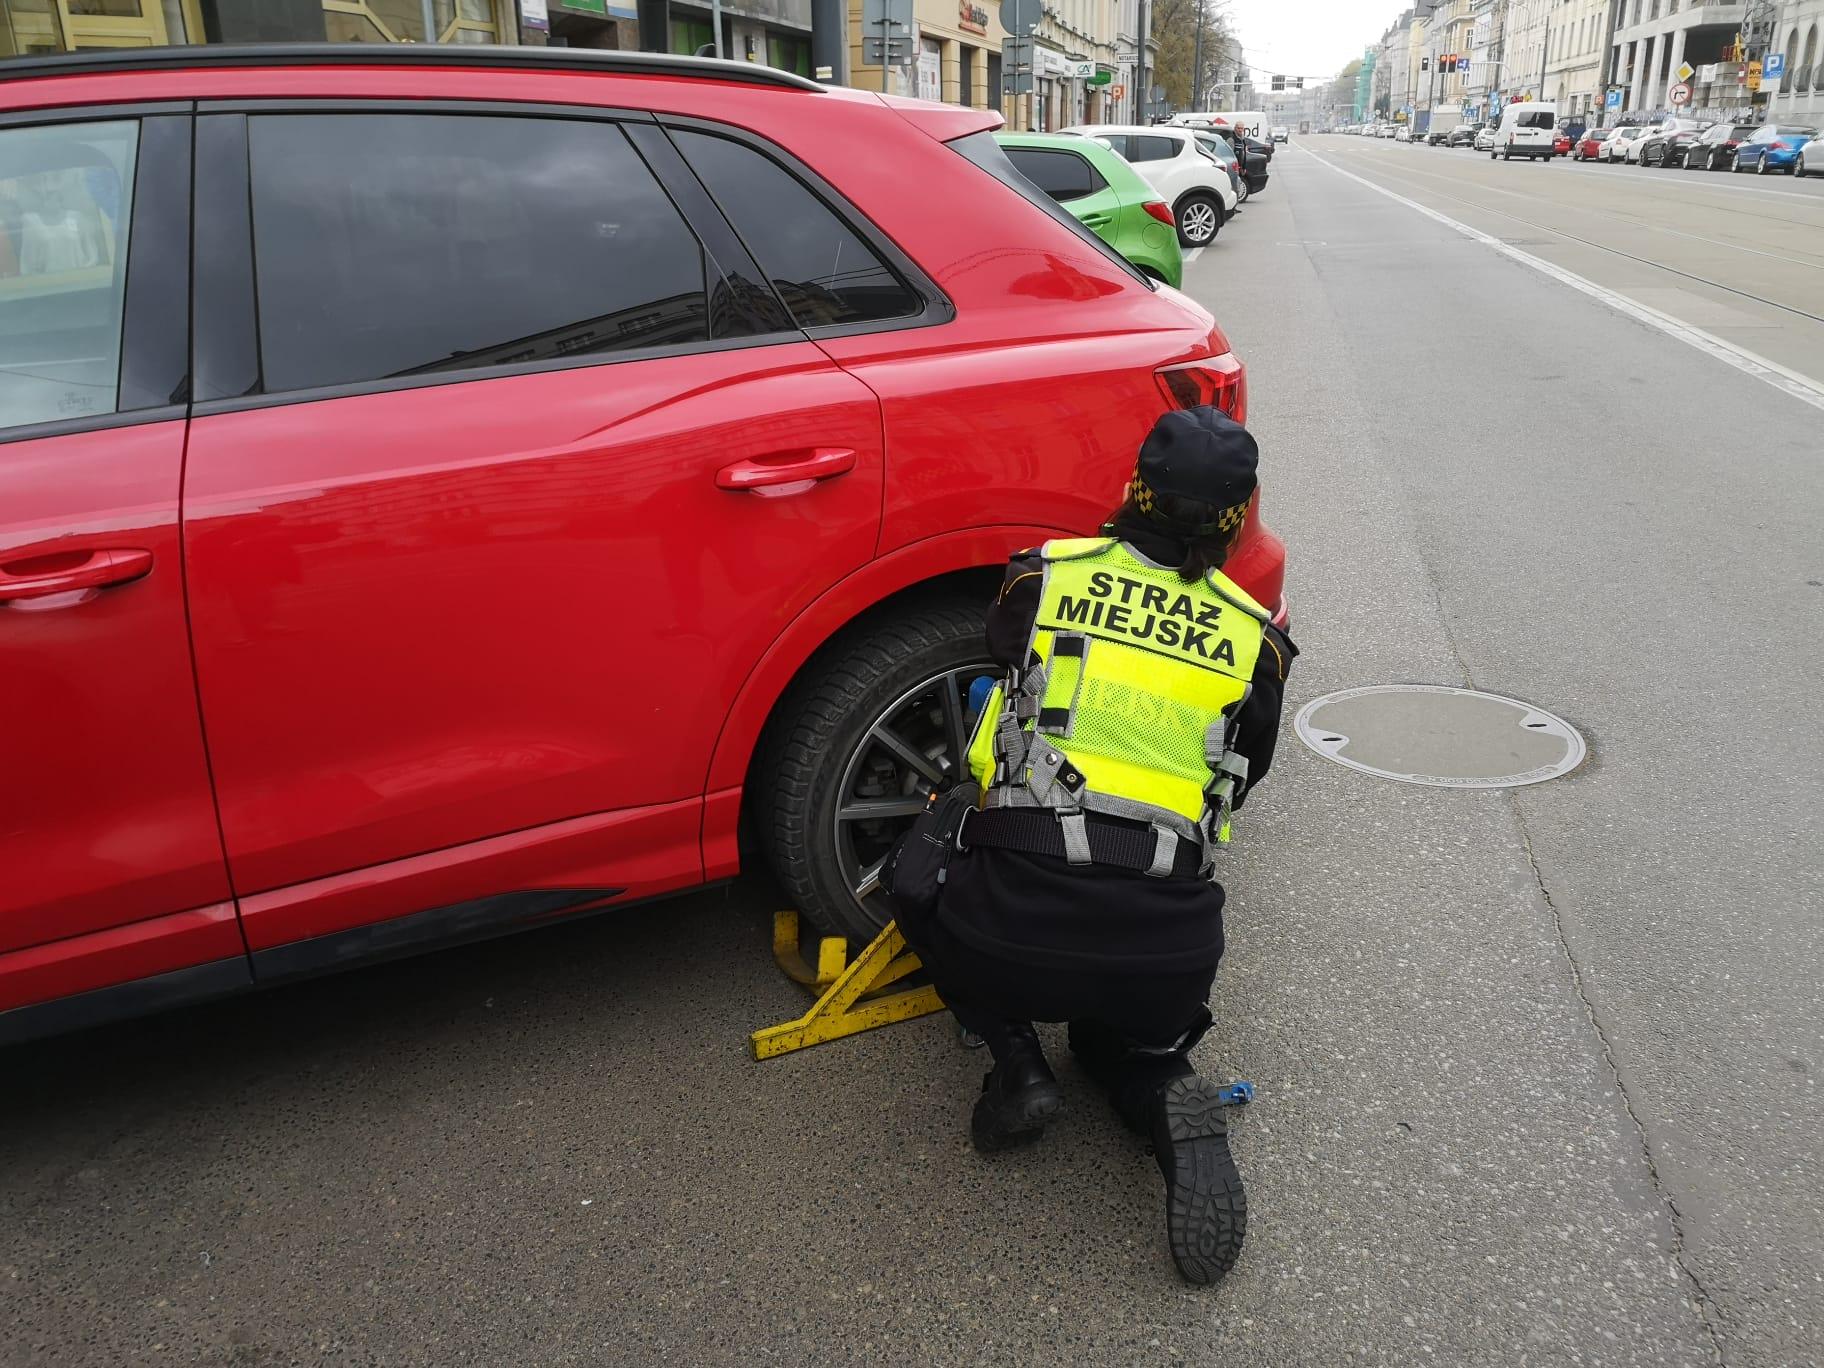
x: 209, y: 57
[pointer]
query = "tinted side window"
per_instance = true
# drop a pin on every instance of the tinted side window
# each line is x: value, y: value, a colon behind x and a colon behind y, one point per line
x: 1151, y: 147
x: 1063, y: 175
x: 1536, y: 120
x: 398, y: 244
x: 66, y: 198
x: 820, y: 266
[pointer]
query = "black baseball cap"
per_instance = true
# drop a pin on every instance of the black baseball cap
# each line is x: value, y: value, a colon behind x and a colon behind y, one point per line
x: 1202, y: 454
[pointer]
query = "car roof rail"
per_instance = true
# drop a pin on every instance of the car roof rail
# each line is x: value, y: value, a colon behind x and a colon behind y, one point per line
x: 401, y: 54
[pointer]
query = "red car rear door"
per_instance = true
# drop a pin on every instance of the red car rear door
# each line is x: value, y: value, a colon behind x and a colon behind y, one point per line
x: 491, y: 508
x: 111, y: 866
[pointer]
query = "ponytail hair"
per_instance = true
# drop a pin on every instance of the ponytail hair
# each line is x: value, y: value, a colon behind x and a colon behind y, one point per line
x: 1207, y: 533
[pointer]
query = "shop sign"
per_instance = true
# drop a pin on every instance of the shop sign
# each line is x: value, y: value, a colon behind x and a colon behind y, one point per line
x: 586, y: 6
x: 534, y: 15
x: 972, y: 18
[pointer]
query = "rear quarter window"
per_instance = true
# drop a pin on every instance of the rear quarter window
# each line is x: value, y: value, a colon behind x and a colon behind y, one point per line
x: 987, y: 154
x: 1065, y: 176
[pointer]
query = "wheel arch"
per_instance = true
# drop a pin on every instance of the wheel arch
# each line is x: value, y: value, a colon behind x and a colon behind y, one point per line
x: 967, y: 562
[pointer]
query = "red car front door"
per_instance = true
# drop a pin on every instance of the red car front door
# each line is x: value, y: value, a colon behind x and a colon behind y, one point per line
x: 111, y: 866
x: 457, y: 637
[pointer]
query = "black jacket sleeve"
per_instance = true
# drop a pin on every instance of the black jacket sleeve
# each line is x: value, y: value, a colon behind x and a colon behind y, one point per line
x: 1257, y: 729
x: 1011, y: 615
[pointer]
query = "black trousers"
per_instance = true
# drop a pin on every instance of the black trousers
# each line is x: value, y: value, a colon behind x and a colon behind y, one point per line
x: 1112, y: 1011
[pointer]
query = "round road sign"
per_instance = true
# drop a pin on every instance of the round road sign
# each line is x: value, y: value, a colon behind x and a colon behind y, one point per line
x: 1680, y: 94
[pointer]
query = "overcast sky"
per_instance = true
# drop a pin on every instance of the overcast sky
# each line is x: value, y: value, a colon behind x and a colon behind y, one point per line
x: 1310, y: 37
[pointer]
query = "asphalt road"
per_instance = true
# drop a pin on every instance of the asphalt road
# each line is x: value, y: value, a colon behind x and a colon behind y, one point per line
x: 1538, y: 1070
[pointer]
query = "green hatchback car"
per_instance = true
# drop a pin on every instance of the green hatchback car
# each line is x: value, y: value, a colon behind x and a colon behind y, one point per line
x: 1106, y: 195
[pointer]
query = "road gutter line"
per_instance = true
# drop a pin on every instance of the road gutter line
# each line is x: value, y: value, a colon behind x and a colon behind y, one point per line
x: 1783, y: 378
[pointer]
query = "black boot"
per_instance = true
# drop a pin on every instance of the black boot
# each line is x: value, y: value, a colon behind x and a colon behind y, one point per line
x: 1206, y: 1208
x: 1019, y: 1096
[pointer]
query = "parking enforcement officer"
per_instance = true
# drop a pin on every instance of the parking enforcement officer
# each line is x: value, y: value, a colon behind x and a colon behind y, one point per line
x: 1142, y: 701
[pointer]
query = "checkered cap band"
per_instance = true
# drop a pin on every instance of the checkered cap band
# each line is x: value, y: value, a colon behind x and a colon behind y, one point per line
x: 1148, y: 503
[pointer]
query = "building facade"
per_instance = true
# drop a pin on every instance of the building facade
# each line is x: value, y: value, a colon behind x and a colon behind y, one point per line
x: 44, y: 26
x: 1576, y: 57
x: 1446, y: 68
x: 1799, y: 95
x: 1655, y: 39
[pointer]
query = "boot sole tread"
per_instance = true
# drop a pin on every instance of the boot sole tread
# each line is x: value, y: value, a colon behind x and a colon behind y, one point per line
x: 1206, y: 1211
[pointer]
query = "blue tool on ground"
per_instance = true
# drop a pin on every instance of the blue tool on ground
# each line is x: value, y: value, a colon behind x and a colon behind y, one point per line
x: 1236, y: 1094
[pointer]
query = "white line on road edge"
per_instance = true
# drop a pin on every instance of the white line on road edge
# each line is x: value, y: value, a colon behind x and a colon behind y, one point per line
x: 1192, y: 255
x: 1783, y: 378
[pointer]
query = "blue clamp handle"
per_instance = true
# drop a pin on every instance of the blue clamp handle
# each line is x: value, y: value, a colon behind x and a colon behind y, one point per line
x: 1236, y: 1094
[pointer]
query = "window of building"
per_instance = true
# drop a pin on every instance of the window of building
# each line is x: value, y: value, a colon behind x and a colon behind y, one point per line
x: 822, y: 268
x: 689, y: 37
x: 45, y: 26
x: 66, y: 201
x: 400, y: 244
x: 789, y: 54
x: 402, y: 21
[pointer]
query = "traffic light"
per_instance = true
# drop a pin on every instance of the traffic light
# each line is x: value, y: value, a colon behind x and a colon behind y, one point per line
x: 1298, y: 83
x: 1424, y: 64
x: 1279, y: 83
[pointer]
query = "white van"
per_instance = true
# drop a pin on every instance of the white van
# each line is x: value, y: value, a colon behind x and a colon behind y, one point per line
x: 1253, y: 122
x: 1528, y: 129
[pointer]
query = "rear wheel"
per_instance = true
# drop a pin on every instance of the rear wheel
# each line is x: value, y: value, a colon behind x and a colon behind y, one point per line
x: 865, y: 736
x: 1199, y: 216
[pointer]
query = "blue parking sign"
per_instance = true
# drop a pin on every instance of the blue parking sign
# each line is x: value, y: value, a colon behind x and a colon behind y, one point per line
x: 1773, y: 66
x: 1614, y: 100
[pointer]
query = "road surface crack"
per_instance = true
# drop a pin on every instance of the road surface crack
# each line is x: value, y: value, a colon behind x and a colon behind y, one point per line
x: 1709, y: 1314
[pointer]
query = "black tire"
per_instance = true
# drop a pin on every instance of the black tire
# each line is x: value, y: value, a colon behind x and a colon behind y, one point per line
x: 1507, y: 154
x: 821, y: 756
x: 1760, y: 167
x: 1736, y: 166
x: 1798, y: 167
x: 1200, y: 209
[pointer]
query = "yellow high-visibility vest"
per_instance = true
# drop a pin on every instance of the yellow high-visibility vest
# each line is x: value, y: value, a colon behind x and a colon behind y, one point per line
x: 1137, y: 681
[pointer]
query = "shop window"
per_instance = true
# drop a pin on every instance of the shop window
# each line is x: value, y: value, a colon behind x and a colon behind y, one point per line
x: 789, y: 54
x: 821, y: 267
x: 66, y: 199
x: 402, y: 21
x: 405, y: 244
x: 689, y: 37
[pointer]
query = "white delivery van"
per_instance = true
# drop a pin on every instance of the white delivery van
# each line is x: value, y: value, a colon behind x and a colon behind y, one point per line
x: 1528, y: 129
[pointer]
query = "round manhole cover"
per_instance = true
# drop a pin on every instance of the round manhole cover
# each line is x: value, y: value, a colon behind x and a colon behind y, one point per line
x: 1434, y: 734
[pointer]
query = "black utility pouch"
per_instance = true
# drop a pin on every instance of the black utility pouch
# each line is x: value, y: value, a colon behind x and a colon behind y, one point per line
x: 914, y: 873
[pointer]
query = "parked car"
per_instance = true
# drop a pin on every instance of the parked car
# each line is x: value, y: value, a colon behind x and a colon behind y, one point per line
x: 1105, y: 194
x: 1773, y: 147
x: 1615, y: 146
x: 1485, y: 138
x: 369, y: 589
x: 1464, y: 135
x: 1561, y: 144
x: 1668, y: 147
x: 1215, y: 146
x: 1714, y: 149
x: 1199, y: 191
x: 1282, y: 134
x: 1527, y: 130
x: 1589, y: 146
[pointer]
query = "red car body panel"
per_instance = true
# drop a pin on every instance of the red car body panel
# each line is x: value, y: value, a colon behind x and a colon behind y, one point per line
x: 431, y: 616
x: 1590, y: 145
x: 525, y: 632
x: 107, y: 818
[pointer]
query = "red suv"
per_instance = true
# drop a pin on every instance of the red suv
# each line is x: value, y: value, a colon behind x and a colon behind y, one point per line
x: 444, y: 490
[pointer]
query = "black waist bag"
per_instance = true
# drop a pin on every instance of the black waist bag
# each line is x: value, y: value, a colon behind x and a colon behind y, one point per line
x: 913, y: 875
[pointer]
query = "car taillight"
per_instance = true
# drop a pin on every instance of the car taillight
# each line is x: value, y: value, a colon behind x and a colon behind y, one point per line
x: 1776, y: 146
x: 1160, y: 210
x: 1218, y: 380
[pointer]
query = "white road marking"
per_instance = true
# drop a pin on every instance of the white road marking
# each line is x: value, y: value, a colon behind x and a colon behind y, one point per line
x: 1192, y: 255
x: 1783, y: 378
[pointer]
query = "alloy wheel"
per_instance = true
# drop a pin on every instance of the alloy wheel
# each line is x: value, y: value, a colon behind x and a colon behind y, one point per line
x: 1199, y: 222
x: 917, y: 744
